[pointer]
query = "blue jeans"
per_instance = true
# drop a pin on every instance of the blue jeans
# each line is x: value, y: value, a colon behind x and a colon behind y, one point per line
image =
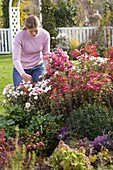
x: 34, y: 72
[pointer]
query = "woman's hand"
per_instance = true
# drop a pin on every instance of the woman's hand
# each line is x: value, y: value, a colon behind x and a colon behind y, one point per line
x: 27, y: 77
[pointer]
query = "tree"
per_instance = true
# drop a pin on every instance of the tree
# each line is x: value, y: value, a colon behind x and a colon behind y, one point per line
x: 5, y: 9
x: 48, y: 20
x: 66, y: 13
x: 1, y: 15
x: 48, y: 17
x: 108, y: 13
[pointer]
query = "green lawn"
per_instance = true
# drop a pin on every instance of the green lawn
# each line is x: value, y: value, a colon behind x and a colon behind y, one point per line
x: 6, y: 67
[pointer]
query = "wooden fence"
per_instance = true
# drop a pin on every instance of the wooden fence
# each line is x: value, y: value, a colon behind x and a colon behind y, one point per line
x: 82, y: 34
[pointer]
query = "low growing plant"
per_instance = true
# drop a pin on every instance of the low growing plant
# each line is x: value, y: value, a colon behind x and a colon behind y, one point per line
x: 14, y: 155
x: 102, y: 160
x: 67, y: 158
x: 91, y: 120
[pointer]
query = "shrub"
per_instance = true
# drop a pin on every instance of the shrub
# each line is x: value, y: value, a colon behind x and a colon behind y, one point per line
x: 91, y: 121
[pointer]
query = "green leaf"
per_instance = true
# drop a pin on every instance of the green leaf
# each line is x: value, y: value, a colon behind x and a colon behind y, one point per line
x: 10, y: 122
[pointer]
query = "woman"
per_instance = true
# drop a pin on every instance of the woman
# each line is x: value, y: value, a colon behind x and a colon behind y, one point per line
x: 31, y: 44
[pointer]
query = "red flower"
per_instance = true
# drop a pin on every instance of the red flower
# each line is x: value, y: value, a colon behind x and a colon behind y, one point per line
x: 75, y: 53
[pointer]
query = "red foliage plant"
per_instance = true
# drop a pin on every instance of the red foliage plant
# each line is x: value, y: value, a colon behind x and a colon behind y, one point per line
x: 6, y: 149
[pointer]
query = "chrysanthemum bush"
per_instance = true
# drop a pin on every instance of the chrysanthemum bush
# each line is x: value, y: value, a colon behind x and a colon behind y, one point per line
x: 67, y: 90
x: 72, y: 85
x: 28, y: 96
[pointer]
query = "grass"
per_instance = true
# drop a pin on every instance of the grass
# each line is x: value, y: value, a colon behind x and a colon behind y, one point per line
x: 6, y: 67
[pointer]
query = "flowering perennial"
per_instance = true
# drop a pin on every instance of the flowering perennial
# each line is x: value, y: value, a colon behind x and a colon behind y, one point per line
x: 64, y: 81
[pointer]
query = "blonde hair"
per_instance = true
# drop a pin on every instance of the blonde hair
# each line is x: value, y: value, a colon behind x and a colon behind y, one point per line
x: 31, y: 21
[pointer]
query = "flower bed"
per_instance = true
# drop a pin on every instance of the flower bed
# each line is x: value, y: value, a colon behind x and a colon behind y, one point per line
x: 76, y: 95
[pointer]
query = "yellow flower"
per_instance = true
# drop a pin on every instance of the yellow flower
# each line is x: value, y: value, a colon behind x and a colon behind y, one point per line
x: 92, y: 158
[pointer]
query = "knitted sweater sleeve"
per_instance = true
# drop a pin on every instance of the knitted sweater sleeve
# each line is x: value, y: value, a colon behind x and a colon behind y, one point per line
x: 46, y: 48
x: 17, y: 54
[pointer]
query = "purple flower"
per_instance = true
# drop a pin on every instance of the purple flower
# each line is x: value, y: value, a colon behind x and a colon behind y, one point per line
x: 100, y: 141
x: 63, y: 131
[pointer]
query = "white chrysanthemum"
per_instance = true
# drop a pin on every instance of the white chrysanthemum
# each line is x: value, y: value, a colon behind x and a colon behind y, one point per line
x: 94, y: 64
x: 21, y: 92
x: 43, y: 85
x: 78, y: 71
x: 40, y: 89
x: 27, y: 105
x: 30, y: 94
x: 13, y: 94
x: 56, y: 72
x: 31, y: 85
x: 28, y: 82
x: 8, y: 95
x: 38, y: 83
x: 19, y: 87
x: 102, y: 60
x: 30, y: 88
x: 4, y: 92
x: 33, y: 93
x: 35, y: 97
x: 93, y: 58
x: 99, y: 59
x: 18, y: 94
x: 26, y: 85
x: 10, y: 91
x: 47, y: 89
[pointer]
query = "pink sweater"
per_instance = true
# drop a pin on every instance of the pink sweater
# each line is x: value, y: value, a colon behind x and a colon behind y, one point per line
x: 28, y: 51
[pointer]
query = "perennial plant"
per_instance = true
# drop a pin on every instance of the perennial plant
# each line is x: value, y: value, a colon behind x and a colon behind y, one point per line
x: 66, y: 91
